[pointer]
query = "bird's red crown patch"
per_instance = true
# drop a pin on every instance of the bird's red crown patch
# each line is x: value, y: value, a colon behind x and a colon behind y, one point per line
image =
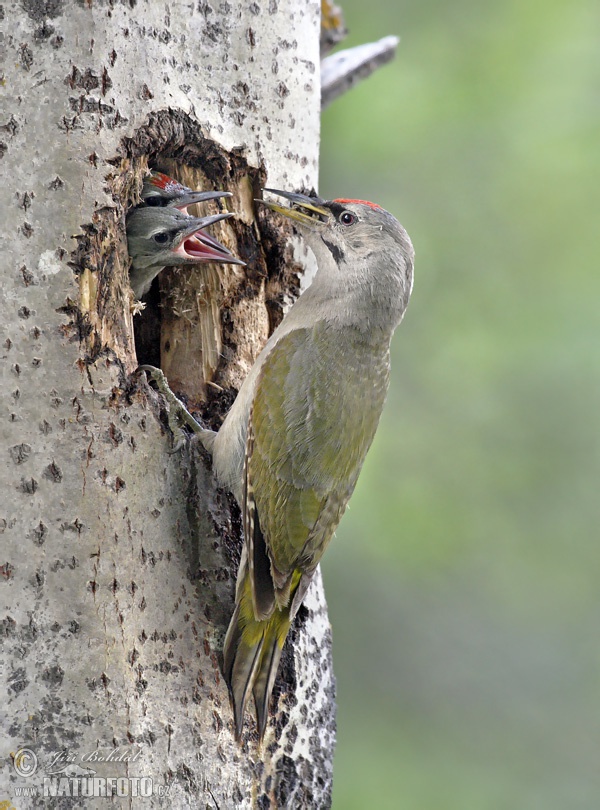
x: 165, y: 182
x: 362, y: 202
x: 160, y: 180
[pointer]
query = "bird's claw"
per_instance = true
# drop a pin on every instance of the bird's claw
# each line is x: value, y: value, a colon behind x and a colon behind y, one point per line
x: 177, y: 413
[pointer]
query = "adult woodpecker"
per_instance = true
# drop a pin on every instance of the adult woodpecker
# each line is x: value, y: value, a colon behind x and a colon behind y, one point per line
x: 161, y: 237
x: 293, y: 444
x: 161, y: 191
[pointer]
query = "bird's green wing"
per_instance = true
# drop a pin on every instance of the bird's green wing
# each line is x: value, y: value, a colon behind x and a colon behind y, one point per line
x: 316, y: 408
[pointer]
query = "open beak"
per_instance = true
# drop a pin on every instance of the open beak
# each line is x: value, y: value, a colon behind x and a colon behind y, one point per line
x: 193, y: 197
x: 200, y: 247
x: 207, y: 241
x: 305, y: 210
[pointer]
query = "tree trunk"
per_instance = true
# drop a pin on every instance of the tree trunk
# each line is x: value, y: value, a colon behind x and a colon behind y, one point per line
x: 118, y: 557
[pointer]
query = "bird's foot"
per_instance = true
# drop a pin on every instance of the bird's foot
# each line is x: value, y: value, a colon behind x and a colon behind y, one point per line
x: 177, y: 414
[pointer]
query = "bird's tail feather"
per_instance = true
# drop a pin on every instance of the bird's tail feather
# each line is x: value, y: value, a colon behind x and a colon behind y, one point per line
x: 264, y: 678
x: 251, y: 657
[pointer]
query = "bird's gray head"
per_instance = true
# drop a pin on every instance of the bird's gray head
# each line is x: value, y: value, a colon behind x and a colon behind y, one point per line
x: 358, y: 245
x: 163, y: 237
x: 157, y: 237
x: 161, y: 191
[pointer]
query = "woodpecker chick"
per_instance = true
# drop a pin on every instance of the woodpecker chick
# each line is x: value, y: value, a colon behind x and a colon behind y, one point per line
x: 161, y: 237
x: 293, y: 444
x: 161, y: 191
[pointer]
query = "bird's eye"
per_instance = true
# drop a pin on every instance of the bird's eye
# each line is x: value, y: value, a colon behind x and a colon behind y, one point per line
x: 161, y: 237
x: 347, y: 218
x: 154, y: 201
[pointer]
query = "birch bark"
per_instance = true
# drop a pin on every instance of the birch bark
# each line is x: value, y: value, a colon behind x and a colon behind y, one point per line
x: 117, y: 557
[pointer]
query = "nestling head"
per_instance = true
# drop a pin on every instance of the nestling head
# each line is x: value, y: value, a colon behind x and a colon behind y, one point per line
x: 161, y: 191
x: 159, y: 237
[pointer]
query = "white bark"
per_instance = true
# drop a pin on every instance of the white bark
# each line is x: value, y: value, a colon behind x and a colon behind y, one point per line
x: 342, y: 70
x: 116, y: 575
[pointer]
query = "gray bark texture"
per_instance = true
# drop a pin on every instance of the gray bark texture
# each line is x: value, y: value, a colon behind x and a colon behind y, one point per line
x: 117, y: 556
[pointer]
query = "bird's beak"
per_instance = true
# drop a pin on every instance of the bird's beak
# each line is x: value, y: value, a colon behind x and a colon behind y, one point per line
x: 193, y: 244
x: 193, y: 197
x: 305, y: 210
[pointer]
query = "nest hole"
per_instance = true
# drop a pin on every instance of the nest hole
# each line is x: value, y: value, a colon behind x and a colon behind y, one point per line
x: 172, y: 319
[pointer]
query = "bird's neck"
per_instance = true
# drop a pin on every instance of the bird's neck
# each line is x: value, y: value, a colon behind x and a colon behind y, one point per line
x: 366, y: 302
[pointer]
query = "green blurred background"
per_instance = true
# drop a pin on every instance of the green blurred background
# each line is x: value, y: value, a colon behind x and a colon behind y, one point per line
x: 464, y: 582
